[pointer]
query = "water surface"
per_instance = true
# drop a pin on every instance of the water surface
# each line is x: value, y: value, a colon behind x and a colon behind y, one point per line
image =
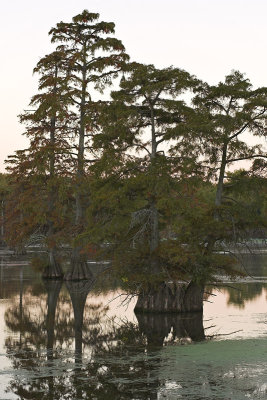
x: 75, y: 341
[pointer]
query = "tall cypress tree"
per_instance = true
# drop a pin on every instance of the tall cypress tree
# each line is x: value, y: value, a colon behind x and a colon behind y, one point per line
x: 143, y: 118
x: 229, y: 111
x: 93, y: 59
x: 37, y: 170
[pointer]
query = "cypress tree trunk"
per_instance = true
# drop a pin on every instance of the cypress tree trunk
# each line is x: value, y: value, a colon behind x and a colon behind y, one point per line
x: 219, y: 191
x: 53, y: 269
x: 78, y: 269
x: 154, y: 219
x: 171, y: 297
x: 211, y: 240
x: 2, y: 220
x: 154, y: 237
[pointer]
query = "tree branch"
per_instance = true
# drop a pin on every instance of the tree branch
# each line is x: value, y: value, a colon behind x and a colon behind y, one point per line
x: 246, y: 158
x: 246, y: 125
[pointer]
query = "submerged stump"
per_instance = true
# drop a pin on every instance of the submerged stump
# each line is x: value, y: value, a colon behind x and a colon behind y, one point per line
x: 171, y: 297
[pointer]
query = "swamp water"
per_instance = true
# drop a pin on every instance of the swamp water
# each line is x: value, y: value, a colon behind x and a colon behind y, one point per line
x: 72, y: 341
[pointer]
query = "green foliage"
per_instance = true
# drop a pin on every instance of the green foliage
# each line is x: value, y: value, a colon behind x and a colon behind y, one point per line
x: 141, y: 179
x: 4, y: 185
x: 228, y: 111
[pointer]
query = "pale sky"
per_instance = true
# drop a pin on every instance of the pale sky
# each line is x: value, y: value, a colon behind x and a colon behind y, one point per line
x: 208, y: 38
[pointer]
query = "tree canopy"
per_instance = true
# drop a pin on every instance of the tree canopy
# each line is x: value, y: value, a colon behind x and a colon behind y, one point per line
x: 136, y: 164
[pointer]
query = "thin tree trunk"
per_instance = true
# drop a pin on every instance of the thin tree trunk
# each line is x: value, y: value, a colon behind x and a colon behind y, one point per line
x: 211, y: 240
x: 80, y: 167
x: 2, y: 219
x: 53, y: 269
x: 154, y: 219
x: 154, y: 238
x: 219, y: 191
x: 78, y: 269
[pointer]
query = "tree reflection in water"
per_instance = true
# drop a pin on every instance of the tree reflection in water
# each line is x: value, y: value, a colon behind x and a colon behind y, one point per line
x: 174, y: 327
x: 121, y: 359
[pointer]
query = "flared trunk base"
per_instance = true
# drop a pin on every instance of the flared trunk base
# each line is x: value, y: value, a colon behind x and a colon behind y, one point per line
x: 79, y: 270
x: 53, y: 269
x: 171, y: 297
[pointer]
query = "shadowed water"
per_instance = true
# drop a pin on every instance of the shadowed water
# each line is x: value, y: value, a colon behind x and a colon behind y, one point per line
x: 77, y: 341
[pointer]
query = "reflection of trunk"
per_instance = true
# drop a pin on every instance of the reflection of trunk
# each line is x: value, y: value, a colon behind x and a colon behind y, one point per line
x: 157, y: 327
x: 20, y: 302
x: 78, y: 293
x: 174, y: 297
x: 53, y: 289
x: 193, y: 324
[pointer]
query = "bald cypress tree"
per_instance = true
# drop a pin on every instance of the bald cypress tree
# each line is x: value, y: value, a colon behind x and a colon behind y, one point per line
x: 37, y: 171
x: 142, y: 119
x: 149, y: 144
x: 232, y: 110
x: 93, y: 58
x: 229, y: 111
